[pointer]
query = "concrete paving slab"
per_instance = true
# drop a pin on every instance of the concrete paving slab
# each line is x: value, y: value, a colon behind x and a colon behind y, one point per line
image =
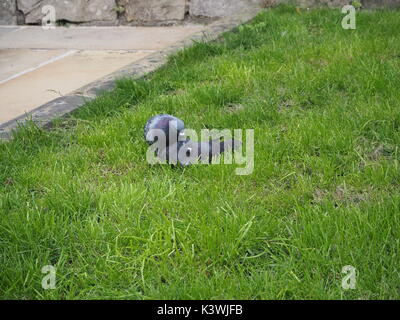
x: 13, y: 62
x: 97, y: 38
x: 25, y: 93
x: 5, y: 30
x: 38, y: 65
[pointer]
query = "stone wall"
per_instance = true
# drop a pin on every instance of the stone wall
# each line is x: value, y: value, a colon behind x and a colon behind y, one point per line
x: 153, y: 10
x: 143, y: 12
x: 219, y: 8
x: 329, y: 3
x: 70, y: 10
x: 115, y: 12
x: 8, y: 12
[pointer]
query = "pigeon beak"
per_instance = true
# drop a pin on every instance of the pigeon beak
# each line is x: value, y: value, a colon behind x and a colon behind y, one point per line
x: 181, y: 135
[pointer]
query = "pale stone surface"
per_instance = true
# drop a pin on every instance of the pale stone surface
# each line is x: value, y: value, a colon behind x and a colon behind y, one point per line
x: 14, y: 61
x: 70, y: 10
x: 329, y: 3
x: 154, y: 10
x: 219, y: 8
x: 70, y: 58
x: 59, y: 78
x: 8, y: 12
x: 97, y: 38
x: 4, y: 30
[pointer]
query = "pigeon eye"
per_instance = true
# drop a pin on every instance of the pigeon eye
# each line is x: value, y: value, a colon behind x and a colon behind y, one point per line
x: 189, y: 150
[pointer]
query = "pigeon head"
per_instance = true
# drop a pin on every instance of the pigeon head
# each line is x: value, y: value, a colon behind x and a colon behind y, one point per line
x: 172, y: 127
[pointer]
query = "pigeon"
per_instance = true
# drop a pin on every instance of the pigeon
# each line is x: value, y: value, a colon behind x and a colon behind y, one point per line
x: 166, y: 123
x: 189, y: 152
x: 178, y: 148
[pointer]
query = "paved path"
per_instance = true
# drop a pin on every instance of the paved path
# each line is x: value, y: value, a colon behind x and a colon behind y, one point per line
x: 37, y: 65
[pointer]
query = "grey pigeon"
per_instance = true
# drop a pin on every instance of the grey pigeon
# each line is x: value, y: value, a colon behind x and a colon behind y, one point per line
x: 181, y: 150
x: 166, y: 123
x: 189, y: 152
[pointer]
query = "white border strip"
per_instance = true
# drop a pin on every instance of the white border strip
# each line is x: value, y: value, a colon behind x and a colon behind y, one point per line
x: 64, y: 55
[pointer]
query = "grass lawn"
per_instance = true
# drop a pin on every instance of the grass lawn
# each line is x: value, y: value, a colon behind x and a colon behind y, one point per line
x: 324, y: 104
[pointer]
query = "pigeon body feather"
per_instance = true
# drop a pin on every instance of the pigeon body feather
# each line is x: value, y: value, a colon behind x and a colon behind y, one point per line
x: 168, y: 124
x: 180, y: 152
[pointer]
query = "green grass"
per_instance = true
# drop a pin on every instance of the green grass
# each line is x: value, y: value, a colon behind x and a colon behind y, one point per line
x: 324, y: 104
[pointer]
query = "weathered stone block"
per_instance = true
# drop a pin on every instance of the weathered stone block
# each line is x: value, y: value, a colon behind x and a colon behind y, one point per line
x: 27, y: 5
x: 70, y: 10
x: 154, y: 10
x: 8, y: 15
x: 219, y: 8
x: 329, y: 3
